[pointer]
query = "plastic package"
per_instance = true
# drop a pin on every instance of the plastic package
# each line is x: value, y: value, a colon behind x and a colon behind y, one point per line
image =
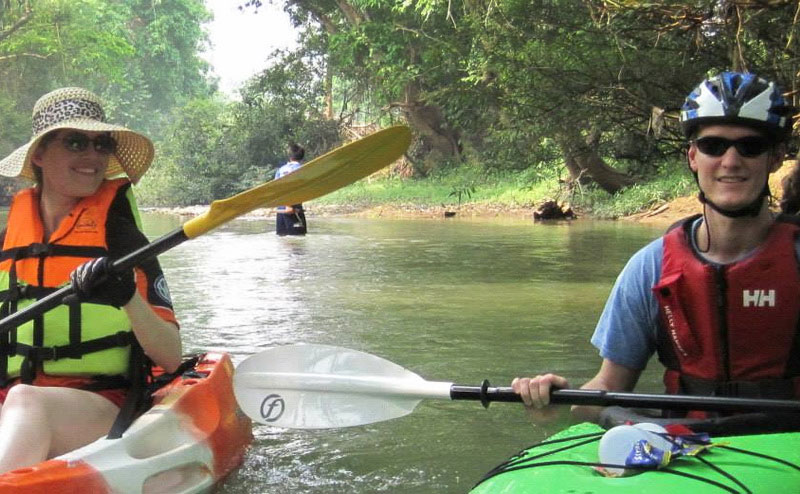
x: 629, y: 445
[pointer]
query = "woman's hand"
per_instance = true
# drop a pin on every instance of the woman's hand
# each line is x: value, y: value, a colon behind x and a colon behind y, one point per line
x: 94, y: 282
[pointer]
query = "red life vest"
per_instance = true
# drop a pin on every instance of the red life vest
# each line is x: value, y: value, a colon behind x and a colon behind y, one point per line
x: 733, y: 329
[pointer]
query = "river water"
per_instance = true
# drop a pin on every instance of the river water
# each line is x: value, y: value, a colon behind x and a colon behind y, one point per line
x: 451, y: 300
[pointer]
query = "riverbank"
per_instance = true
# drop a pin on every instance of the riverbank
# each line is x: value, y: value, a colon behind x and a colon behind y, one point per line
x: 664, y: 212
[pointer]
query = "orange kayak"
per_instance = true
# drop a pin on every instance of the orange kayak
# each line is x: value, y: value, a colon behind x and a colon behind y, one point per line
x: 189, y: 440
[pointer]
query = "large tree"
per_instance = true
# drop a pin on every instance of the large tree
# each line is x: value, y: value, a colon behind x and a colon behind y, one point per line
x: 514, y: 79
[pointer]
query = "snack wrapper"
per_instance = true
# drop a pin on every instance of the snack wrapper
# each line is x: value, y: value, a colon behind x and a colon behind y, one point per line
x: 645, y: 456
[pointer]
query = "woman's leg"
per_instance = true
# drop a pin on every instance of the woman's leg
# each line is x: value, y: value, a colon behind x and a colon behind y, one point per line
x: 37, y: 423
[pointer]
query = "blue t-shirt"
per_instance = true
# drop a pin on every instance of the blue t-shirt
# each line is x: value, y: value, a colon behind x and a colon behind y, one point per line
x: 286, y: 169
x: 626, y: 331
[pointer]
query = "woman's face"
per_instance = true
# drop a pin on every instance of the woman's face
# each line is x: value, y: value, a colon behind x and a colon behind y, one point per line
x: 74, y: 162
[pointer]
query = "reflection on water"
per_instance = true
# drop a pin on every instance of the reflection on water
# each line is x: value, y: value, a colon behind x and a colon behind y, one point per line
x: 450, y: 300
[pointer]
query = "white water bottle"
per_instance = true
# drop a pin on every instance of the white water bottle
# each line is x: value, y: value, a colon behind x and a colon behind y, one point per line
x: 618, y: 442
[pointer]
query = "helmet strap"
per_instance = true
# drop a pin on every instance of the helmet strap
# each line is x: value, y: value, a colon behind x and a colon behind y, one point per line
x: 753, y: 209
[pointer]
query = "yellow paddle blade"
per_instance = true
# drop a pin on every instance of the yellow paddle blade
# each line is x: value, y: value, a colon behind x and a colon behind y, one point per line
x: 320, y: 176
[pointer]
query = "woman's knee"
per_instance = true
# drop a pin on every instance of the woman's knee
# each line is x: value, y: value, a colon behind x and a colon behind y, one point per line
x: 24, y: 396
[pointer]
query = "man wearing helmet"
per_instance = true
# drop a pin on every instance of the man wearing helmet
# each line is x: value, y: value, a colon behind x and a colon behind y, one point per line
x: 718, y: 296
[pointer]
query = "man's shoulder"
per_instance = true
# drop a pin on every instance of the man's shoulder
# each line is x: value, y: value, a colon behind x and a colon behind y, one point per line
x: 650, y: 252
x: 644, y: 267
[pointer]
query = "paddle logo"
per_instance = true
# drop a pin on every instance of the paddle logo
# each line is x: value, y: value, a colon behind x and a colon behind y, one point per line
x: 272, y: 408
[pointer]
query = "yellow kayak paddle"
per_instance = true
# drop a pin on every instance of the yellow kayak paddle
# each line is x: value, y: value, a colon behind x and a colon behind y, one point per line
x: 320, y: 176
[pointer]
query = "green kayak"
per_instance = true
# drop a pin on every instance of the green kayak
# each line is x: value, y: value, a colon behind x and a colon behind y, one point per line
x: 757, y: 463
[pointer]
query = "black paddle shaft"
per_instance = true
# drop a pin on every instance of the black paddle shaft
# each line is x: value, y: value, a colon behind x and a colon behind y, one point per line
x: 55, y: 299
x: 487, y: 394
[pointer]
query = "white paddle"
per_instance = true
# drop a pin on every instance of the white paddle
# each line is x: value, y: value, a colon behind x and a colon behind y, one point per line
x: 321, y: 386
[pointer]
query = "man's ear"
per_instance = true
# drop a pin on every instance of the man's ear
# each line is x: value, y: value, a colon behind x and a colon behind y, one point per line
x: 691, y: 155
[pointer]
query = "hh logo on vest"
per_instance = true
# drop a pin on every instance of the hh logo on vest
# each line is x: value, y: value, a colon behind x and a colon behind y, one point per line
x: 758, y: 298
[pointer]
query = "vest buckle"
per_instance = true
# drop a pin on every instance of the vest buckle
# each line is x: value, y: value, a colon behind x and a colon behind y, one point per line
x: 122, y: 338
x: 47, y: 353
x: 38, y: 249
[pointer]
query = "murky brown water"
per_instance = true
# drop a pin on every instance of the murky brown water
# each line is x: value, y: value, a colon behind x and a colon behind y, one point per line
x: 457, y: 301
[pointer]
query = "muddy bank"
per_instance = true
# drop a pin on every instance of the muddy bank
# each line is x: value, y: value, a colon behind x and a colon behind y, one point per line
x: 659, y: 214
x: 386, y: 211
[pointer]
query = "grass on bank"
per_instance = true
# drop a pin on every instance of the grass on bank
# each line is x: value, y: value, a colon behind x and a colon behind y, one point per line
x: 519, y: 189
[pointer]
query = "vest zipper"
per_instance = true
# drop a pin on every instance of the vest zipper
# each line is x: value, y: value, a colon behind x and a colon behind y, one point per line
x: 722, y: 314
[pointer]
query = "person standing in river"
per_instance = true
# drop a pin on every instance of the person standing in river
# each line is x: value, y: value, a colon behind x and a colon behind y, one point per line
x: 718, y: 296
x: 291, y: 220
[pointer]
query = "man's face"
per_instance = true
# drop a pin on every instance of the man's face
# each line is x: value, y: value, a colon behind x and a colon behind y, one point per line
x: 730, y: 169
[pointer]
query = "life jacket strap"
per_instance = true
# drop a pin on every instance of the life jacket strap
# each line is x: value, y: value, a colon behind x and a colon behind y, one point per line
x: 677, y: 383
x: 778, y: 389
x: 138, y: 399
x: 9, y: 306
x: 41, y: 250
x: 33, y: 355
x: 119, y: 339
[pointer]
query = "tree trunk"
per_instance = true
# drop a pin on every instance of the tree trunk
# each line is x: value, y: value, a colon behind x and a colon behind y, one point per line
x: 429, y: 123
x: 328, y: 91
x: 582, y: 159
x: 438, y: 139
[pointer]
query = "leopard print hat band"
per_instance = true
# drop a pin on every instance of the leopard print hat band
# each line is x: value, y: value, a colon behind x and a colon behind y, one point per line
x: 63, y: 110
x: 78, y: 108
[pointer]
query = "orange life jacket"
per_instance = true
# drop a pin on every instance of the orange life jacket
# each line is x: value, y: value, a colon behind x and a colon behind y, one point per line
x: 76, y: 339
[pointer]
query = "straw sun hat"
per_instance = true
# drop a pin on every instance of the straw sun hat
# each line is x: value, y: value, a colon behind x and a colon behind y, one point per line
x: 77, y: 108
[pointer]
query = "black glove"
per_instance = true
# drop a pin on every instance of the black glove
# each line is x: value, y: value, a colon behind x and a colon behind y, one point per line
x: 93, y: 282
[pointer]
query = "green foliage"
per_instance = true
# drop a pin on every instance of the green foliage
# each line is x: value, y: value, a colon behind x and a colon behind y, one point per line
x: 141, y: 56
x: 200, y: 162
x: 672, y: 180
x: 499, y: 93
x: 463, y: 192
x: 512, y: 188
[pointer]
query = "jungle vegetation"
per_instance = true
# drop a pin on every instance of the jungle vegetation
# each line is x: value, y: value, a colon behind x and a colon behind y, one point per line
x: 577, y: 92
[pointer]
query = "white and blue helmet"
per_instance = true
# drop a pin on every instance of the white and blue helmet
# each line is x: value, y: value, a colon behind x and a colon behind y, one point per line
x: 737, y: 98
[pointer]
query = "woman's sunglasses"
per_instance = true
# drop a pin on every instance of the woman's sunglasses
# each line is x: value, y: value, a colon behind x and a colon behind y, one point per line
x: 747, y: 147
x: 78, y: 142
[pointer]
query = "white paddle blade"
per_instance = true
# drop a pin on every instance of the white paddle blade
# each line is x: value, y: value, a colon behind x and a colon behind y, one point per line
x: 321, y: 386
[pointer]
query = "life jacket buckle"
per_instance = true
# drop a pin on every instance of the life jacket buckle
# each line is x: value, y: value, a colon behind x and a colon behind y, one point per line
x: 38, y: 249
x: 123, y: 338
x: 47, y: 353
x: 23, y: 291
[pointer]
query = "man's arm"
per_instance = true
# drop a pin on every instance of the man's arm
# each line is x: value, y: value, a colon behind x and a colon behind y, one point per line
x: 610, y: 377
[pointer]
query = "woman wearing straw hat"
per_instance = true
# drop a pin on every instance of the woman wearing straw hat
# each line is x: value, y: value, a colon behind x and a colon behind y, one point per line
x: 65, y: 375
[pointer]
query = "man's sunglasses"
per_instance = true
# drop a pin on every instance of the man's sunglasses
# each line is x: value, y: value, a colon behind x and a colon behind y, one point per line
x: 747, y: 147
x: 78, y: 142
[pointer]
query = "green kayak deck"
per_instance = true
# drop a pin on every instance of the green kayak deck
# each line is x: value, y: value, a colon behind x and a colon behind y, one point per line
x: 762, y: 463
